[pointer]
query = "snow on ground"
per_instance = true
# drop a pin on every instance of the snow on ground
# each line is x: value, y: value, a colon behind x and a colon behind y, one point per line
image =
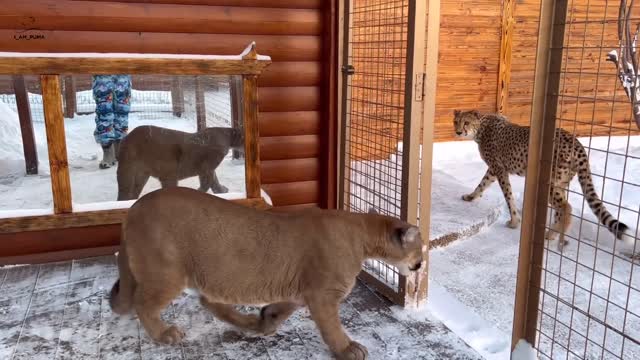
x: 524, y: 351
x: 480, y: 271
x: 90, y: 185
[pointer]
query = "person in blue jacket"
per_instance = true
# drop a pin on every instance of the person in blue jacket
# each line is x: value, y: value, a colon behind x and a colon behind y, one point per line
x: 112, y: 94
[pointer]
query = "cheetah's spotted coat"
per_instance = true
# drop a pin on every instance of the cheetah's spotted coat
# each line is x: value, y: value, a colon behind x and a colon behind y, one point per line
x: 504, y: 148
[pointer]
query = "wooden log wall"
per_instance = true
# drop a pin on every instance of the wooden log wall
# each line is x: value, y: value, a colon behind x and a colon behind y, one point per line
x: 290, y: 93
x: 469, y: 58
x: 589, y: 83
x: 469, y: 63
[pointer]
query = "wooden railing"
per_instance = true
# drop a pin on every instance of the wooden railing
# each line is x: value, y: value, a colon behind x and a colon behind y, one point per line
x: 52, y: 67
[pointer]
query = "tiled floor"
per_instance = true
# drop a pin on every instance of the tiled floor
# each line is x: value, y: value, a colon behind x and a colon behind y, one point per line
x: 60, y: 311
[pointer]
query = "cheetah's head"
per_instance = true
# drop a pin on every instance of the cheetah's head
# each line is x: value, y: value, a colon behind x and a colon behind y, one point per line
x: 466, y: 123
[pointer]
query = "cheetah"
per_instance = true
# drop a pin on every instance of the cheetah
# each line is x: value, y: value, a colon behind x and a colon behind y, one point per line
x: 504, y: 148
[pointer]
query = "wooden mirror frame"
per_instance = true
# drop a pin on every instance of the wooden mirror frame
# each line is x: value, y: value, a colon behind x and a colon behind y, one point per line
x: 51, y: 67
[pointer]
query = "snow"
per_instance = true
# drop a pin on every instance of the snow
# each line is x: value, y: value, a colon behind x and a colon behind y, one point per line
x: 480, y: 271
x: 524, y: 351
x: 483, y: 337
x: 92, y: 188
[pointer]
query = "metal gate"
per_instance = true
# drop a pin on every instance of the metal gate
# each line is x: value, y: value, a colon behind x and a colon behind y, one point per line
x: 581, y: 300
x: 376, y: 124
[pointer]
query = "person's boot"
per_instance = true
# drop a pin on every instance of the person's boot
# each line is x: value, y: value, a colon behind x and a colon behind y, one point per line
x: 116, y: 149
x: 108, y: 157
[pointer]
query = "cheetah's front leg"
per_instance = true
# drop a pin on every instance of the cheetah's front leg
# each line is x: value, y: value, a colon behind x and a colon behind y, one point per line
x: 487, y: 180
x: 505, y: 185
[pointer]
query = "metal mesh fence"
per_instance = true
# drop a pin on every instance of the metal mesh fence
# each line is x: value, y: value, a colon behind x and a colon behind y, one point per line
x: 589, y: 296
x: 151, y: 96
x: 374, y: 122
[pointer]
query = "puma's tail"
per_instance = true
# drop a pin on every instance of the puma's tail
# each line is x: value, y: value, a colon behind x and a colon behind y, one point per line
x: 121, y: 297
x: 599, y: 210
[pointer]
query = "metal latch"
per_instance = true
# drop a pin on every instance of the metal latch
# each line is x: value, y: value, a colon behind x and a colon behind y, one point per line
x: 348, y: 69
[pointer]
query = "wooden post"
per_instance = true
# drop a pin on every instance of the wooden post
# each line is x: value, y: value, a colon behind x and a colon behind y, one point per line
x: 235, y: 92
x: 534, y: 210
x: 71, y: 106
x: 251, y: 146
x: 506, y: 44
x: 422, y: 111
x: 201, y: 110
x: 26, y: 125
x: 177, y: 96
x: 54, y: 123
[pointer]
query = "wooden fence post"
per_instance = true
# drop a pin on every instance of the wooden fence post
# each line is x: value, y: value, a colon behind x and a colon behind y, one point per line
x: 26, y: 125
x: 506, y: 44
x: 177, y: 96
x: 56, y: 143
x: 70, y: 105
x: 235, y: 93
x: 541, y: 143
x: 201, y: 110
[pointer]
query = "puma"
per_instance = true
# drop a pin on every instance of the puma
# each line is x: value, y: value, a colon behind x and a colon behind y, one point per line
x: 171, y: 155
x: 179, y: 238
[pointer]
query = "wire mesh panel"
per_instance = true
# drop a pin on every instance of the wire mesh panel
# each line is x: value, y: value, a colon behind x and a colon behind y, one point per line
x: 374, y: 115
x: 589, y: 295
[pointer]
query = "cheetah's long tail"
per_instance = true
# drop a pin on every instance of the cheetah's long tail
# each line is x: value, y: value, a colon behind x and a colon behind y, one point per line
x: 597, y: 206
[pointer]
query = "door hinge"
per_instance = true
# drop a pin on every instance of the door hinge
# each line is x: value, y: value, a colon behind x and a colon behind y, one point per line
x: 348, y: 69
x: 419, y: 87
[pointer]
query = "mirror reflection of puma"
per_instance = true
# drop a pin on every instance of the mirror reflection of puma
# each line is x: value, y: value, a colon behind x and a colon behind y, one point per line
x: 171, y: 155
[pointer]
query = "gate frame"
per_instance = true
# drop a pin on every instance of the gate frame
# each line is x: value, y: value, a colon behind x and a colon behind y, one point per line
x: 549, y: 50
x: 421, y: 64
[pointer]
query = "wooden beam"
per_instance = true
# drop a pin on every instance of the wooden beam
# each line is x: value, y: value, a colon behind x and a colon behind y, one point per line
x: 26, y: 125
x: 428, y: 119
x: 25, y: 63
x: 56, y: 143
x: 543, y: 116
x: 235, y: 92
x: 85, y: 219
x: 415, y: 285
x: 329, y: 101
x: 70, y: 106
x: 177, y: 96
x: 201, y: 107
x: 252, y: 149
x: 506, y: 44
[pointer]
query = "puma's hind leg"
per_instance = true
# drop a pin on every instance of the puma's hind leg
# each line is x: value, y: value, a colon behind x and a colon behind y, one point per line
x: 150, y: 299
x: 266, y: 323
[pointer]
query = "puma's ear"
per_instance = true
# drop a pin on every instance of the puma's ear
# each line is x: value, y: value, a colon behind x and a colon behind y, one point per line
x: 456, y: 113
x: 372, y: 211
x: 476, y: 113
x: 406, y: 235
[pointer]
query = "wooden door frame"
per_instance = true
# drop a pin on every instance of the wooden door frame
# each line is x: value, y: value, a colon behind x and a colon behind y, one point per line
x: 420, y: 93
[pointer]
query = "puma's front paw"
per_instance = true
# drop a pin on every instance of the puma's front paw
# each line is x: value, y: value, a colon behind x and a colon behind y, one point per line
x: 468, y: 197
x: 354, y: 351
x: 172, y: 336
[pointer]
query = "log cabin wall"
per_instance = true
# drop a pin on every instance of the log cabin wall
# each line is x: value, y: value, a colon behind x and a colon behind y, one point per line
x: 292, y: 120
x: 588, y: 76
x: 469, y: 61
